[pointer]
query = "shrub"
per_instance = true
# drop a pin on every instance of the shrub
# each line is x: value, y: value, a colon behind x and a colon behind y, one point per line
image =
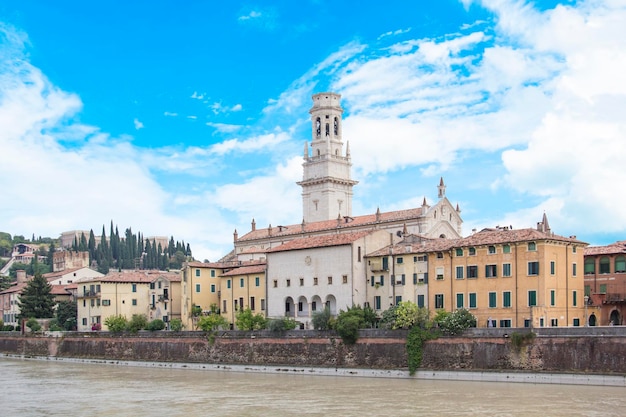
x: 456, y: 322
x: 282, y: 324
x: 246, y: 320
x: 137, y: 322
x: 350, y: 321
x: 116, y: 324
x: 321, y: 319
x: 408, y: 314
x: 415, y: 344
x: 212, y: 322
x: 388, y: 321
x: 156, y: 324
x: 53, y: 326
x: 8, y: 328
x: 33, y: 324
x: 176, y: 325
x: 1, y: 324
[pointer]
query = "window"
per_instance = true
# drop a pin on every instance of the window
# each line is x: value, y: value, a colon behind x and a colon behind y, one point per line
x: 197, y: 287
x: 420, y: 300
x: 439, y: 272
x: 491, y: 271
x: 314, y: 306
x: 288, y: 282
x: 262, y: 304
x: 576, y: 322
x: 459, y: 301
x: 590, y: 266
x: 552, y: 267
x: 236, y: 305
x: 506, y: 270
x: 275, y: 283
x: 359, y: 254
x: 398, y: 299
x: 257, y: 282
x: 574, y: 298
x: 552, y: 298
x: 330, y: 280
x: 371, y: 280
x: 228, y: 283
x: 224, y: 307
x: 84, y: 321
x: 491, y: 249
x: 439, y: 255
x: 134, y: 287
x: 532, y: 298
x: 459, y: 272
x: 532, y: 246
x: 302, y: 282
x: 314, y: 280
x: 574, y: 269
x: 152, y: 285
x: 472, y: 271
x: 399, y: 260
x: 300, y: 306
x: 438, y: 300
x: 212, y: 273
x: 533, y: 268
x: 492, y: 300
x: 414, y: 259
x: 554, y: 322
x: 415, y: 279
x: 505, y: 323
x: 106, y: 303
x: 382, y: 280
x: 506, y: 249
x: 620, y: 264
x: 160, y: 283
x: 573, y: 249
x: 385, y: 263
x: 472, y: 251
x: 377, y: 302
x: 459, y: 251
x: 587, y: 290
x: 212, y: 287
x: 506, y: 300
x: 403, y: 279
x: 241, y: 282
x: 605, y: 265
x: 197, y: 272
x: 134, y: 301
x: 344, y: 279
x: 602, y: 288
x: 472, y: 300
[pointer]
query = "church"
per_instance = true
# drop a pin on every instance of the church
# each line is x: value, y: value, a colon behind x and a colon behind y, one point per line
x: 327, y: 191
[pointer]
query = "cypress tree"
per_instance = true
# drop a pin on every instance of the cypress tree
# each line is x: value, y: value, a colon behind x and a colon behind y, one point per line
x: 36, y: 299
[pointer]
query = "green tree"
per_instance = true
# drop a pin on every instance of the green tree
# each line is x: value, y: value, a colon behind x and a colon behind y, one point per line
x: 176, y: 325
x: 350, y: 321
x: 408, y: 314
x: 212, y: 322
x: 246, y: 320
x: 321, y: 319
x: 455, y: 322
x: 282, y: 324
x: 137, y: 322
x: 66, y: 314
x: 388, y: 320
x: 36, y: 299
x: 33, y: 324
x: 116, y: 324
x: 156, y: 324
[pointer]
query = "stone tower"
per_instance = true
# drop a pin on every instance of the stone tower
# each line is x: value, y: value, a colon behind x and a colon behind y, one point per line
x: 326, y: 184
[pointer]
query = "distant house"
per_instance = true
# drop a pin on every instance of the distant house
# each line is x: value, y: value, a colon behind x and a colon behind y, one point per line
x: 155, y: 294
x: 605, y: 283
x: 241, y: 288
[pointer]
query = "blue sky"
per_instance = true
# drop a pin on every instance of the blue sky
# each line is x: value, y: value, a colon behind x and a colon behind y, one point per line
x: 189, y: 118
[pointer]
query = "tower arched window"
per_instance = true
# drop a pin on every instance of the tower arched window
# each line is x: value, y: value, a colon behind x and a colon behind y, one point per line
x: 327, y: 129
x: 336, y: 129
x: 318, y: 126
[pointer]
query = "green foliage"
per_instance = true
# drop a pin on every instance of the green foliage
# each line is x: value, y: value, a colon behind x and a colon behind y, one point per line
x: 156, y: 324
x: 246, y: 320
x: 36, y: 299
x: 7, y: 328
x: 66, y: 314
x: 282, y: 324
x: 116, y: 324
x: 196, y: 311
x: 521, y: 339
x: 350, y: 321
x: 1, y: 324
x: 212, y: 322
x: 137, y: 322
x: 322, y: 320
x: 415, y: 344
x: 408, y: 314
x: 33, y: 325
x: 54, y: 326
x: 456, y: 322
x: 176, y: 325
x: 388, y: 320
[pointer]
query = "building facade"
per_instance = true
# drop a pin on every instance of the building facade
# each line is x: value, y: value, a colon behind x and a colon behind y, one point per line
x: 243, y: 288
x: 605, y: 283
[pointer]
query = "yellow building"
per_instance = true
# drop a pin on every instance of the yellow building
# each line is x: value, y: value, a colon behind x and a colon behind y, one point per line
x: 504, y: 277
x: 155, y: 294
x: 200, y: 286
x: 242, y: 288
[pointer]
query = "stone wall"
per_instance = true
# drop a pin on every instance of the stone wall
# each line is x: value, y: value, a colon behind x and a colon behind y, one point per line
x: 494, y: 351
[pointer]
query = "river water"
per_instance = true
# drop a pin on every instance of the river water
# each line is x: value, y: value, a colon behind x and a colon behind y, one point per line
x: 46, y: 388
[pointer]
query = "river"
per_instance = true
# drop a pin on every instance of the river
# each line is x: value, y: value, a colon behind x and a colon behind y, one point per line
x: 49, y: 388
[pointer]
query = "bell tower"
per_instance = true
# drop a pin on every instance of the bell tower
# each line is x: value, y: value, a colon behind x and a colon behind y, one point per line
x: 326, y: 184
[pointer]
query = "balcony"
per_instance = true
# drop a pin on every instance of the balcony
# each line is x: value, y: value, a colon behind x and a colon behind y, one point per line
x: 90, y: 293
x: 615, y: 298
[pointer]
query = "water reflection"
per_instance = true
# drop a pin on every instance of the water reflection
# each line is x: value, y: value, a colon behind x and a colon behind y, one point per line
x: 44, y: 388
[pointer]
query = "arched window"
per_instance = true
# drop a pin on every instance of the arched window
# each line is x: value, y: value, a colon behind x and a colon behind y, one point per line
x: 605, y: 265
x: 590, y: 266
x: 620, y: 264
x: 318, y: 126
x: 532, y: 246
x: 336, y: 130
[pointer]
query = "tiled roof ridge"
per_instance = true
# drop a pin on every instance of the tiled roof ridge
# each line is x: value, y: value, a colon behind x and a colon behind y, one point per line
x: 321, y: 241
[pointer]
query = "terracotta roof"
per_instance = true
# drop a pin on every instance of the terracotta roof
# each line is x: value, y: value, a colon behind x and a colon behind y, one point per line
x: 52, y: 275
x: 60, y: 290
x: 15, y: 288
x: 224, y: 265
x: 346, y: 222
x: 135, y: 276
x: 482, y: 238
x: 244, y: 270
x: 612, y: 249
x: 320, y: 241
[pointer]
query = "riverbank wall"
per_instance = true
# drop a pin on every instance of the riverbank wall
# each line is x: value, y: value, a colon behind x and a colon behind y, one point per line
x: 569, y: 350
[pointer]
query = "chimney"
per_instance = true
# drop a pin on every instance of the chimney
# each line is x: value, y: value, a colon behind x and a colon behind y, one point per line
x: 253, y: 225
x: 21, y: 276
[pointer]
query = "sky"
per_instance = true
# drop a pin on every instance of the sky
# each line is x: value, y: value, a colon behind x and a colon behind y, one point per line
x: 188, y: 119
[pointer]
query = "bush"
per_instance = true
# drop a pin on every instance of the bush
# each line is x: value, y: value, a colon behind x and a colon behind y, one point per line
x: 456, y: 322
x: 176, y: 325
x: 116, y: 324
x: 414, y: 346
x: 212, y: 322
x: 156, y: 324
x: 33, y: 324
x: 246, y: 320
x: 321, y: 320
x: 282, y: 324
x: 388, y: 321
x: 53, y: 326
x: 137, y: 322
x: 8, y: 328
x: 350, y: 321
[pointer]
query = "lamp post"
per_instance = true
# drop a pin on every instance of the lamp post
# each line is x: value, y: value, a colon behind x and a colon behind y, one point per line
x: 586, y: 298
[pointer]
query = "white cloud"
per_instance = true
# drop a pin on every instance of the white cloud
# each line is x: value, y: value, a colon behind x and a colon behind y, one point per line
x: 262, y: 142
x: 170, y: 114
x: 252, y: 15
x: 138, y: 124
x: 198, y: 96
x: 225, y: 128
